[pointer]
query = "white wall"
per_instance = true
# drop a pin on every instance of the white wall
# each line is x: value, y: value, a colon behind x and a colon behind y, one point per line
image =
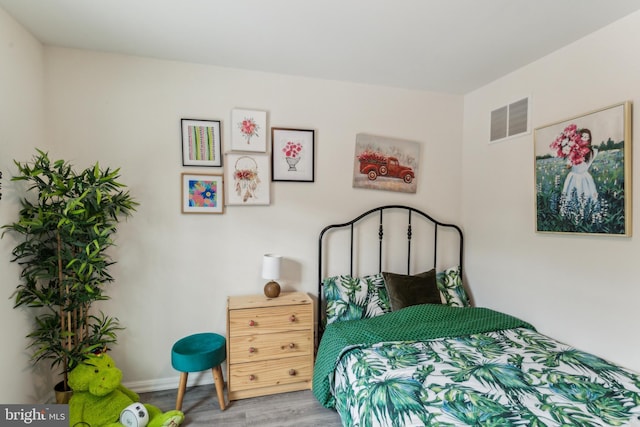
x: 21, y: 123
x: 175, y: 271
x: 582, y: 290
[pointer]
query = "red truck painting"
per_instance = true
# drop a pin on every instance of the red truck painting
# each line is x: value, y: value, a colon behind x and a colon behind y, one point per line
x: 374, y: 164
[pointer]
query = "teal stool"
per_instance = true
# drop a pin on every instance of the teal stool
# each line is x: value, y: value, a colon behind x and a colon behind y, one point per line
x: 199, y: 352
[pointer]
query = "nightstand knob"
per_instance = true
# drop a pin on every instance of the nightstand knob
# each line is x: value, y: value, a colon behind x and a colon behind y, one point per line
x: 292, y: 345
x: 292, y: 318
x: 292, y: 372
x: 252, y: 377
x: 252, y: 323
x: 252, y: 349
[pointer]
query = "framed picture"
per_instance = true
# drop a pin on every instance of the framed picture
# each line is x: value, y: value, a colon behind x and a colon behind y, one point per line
x: 292, y: 155
x: 247, y: 177
x: 382, y: 163
x: 583, y: 173
x: 202, y: 193
x: 248, y: 130
x: 201, y: 143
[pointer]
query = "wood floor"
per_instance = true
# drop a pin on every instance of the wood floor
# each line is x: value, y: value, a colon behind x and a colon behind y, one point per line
x: 201, y: 408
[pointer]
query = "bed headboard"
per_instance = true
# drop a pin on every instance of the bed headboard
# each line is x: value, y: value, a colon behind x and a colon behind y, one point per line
x: 403, y: 218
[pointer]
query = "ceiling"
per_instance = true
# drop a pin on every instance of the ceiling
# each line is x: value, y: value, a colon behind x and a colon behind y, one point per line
x: 451, y: 46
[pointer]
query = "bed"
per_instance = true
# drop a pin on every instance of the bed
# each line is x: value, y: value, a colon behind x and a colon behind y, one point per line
x: 392, y: 354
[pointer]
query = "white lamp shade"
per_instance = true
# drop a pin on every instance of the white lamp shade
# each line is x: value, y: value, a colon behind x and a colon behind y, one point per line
x: 271, y: 266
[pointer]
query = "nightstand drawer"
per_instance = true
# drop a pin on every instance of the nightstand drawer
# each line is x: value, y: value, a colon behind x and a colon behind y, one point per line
x: 269, y: 346
x: 270, y: 373
x: 270, y: 320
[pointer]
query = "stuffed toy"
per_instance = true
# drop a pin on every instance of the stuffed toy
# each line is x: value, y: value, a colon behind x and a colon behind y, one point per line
x: 99, y: 399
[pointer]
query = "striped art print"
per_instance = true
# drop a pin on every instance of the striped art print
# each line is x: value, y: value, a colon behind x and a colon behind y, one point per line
x: 201, y: 144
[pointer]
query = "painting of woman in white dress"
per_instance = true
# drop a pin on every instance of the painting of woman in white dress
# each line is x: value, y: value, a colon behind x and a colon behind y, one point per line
x: 579, y: 190
x: 583, y: 174
x: 579, y: 181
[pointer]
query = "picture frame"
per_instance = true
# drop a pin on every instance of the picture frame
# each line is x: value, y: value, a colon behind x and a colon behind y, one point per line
x: 292, y: 154
x: 388, y: 164
x: 202, y: 193
x: 201, y: 143
x: 247, y: 178
x: 583, y: 173
x: 248, y: 130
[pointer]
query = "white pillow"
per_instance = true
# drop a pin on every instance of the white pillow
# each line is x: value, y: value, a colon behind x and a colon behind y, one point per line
x: 451, y: 289
x: 351, y: 298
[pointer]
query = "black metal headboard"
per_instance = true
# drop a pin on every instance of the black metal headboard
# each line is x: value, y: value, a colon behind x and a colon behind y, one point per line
x: 411, y: 213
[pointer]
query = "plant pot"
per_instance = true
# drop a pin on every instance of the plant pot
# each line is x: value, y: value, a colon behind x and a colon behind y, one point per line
x: 62, y: 396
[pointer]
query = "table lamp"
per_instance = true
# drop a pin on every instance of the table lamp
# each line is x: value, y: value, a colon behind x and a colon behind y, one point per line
x: 271, y: 271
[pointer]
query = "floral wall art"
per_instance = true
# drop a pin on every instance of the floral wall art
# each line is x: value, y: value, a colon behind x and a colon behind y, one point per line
x: 382, y: 163
x: 292, y: 154
x: 583, y: 173
x: 247, y: 177
x: 202, y: 193
x: 248, y: 130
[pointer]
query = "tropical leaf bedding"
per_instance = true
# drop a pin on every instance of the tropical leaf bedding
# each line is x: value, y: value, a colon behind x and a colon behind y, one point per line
x: 489, y: 369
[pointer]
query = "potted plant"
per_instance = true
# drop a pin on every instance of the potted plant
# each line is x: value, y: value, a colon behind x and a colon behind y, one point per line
x: 65, y: 229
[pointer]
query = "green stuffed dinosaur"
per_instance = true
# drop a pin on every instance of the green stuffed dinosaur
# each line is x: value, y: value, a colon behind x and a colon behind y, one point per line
x: 99, y: 398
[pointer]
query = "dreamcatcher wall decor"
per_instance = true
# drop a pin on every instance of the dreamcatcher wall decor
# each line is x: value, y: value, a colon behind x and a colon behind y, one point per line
x: 247, y: 179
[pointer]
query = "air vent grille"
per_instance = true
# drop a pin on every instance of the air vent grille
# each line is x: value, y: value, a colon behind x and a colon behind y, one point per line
x: 510, y: 120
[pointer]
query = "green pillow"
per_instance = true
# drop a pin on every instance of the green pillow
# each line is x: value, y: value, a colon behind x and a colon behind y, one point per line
x: 405, y: 290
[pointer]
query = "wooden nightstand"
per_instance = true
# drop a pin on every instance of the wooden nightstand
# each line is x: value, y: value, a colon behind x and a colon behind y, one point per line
x: 269, y: 344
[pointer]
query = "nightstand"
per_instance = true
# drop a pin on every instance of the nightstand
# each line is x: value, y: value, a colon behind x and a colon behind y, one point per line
x: 269, y: 344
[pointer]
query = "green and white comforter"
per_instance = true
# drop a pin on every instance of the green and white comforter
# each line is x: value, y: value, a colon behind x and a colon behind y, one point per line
x: 488, y: 370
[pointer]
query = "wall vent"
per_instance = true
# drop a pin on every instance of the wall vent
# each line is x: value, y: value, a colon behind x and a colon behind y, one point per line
x: 510, y: 120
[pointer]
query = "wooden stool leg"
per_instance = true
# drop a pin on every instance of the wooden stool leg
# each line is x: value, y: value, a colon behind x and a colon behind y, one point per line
x: 181, y: 389
x: 217, y: 378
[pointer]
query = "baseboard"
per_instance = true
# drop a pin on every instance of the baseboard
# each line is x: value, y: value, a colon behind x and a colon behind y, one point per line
x: 195, y: 378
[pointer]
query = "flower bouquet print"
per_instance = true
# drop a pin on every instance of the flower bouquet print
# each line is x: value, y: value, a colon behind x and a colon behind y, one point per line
x: 579, y: 193
x: 582, y: 174
x: 248, y: 130
x: 292, y: 154
x: 248, y: 179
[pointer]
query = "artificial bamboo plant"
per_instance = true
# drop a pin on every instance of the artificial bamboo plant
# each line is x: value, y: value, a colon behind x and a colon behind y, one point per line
x: 66, y: 226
